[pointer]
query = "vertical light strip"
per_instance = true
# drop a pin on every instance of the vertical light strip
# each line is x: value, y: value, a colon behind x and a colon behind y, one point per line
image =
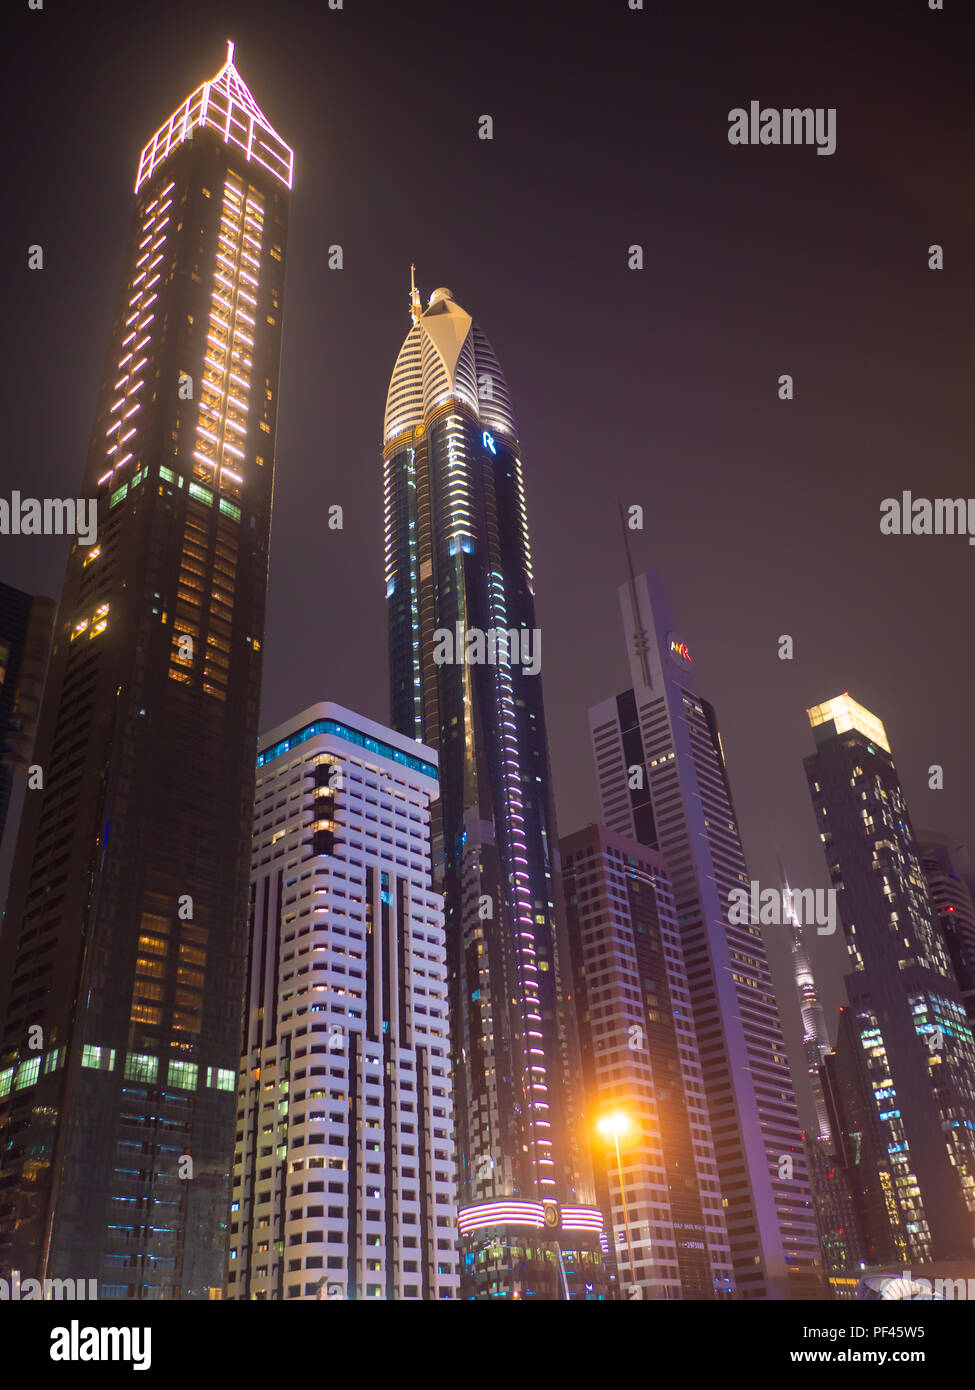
x: 535, y: 1072
x: 460, y: 534
x: 526, y: 544
x: 122, y: 433
x: 227, y: 364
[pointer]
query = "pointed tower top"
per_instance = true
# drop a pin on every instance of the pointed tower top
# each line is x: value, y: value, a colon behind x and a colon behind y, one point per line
x: 445, y: 355
x: 225, y: 104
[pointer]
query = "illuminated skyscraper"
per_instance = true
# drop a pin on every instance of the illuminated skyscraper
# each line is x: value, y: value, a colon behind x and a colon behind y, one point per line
x: 916, y: 1054
x: 344, y: 1178
x: 123, y: 952
x: 458, y: 572
x: 663, y: 781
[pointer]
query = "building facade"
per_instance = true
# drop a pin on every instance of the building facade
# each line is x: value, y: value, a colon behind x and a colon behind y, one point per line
x: 26, y: 625
x: 464, y: 678
x: 906, y: 1007
x: 662, y: 780
x: 643, y: 1078
x: 123, y: 952
x: 840, y: 1240
x: 947, y: 868
x: 344, y: 1171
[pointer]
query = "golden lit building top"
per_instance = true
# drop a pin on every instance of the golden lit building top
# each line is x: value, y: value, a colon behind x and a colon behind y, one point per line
x: 846, y: 714
x: 225, y: 104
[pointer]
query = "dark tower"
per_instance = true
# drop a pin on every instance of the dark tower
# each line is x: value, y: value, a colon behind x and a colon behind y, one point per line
x: 26, y: 624
x: 912, y: 1040
x: 123, y: 951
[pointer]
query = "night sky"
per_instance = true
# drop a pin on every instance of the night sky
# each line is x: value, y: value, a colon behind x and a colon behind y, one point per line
x: 656, y: 387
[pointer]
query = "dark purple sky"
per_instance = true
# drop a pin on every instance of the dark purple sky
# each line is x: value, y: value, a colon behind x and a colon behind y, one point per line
x: 655, y: 387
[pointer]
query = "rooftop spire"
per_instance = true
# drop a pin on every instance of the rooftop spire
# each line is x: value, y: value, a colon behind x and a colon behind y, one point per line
x: 415, y: 308
x: 640, y: 639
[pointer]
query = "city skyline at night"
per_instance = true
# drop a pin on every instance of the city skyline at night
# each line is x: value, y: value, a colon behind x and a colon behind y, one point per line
x: 754, y: 359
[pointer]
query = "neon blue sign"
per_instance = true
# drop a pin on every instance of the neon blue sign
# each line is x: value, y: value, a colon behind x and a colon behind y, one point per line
x: 489, y: 442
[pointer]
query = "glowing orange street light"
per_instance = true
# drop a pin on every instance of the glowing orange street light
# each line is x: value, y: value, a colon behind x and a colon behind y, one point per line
x: 618, y: 1124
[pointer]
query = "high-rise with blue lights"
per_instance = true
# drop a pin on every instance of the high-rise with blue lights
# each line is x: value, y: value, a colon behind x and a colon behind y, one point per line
x: 344, y: 1181
x: 458, y: 576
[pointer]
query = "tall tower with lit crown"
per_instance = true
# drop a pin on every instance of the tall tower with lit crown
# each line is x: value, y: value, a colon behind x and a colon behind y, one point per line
x: 458, y: 566
x: 124, y: 947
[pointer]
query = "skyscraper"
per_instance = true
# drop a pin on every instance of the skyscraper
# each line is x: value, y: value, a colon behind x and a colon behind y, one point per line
x: 344, y: 1174
x: 642, y: 1070
x: 815, y: 1038
x: 464, y: 656
x: 947, y: 867
x: 26, y: 624
x: 123, y: 952
x: 662, y: 781
x: 833, y: 1200
x: 906, y: 1007
x: 861, y: 1180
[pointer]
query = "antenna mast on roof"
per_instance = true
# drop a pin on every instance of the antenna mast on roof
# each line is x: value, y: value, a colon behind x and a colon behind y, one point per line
x: 641, y: 641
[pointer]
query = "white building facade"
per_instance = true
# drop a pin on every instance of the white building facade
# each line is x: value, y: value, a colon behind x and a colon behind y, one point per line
x: 344, y: 1172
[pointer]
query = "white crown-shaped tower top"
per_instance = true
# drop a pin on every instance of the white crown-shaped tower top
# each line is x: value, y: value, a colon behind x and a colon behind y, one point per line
x: 225, y: 104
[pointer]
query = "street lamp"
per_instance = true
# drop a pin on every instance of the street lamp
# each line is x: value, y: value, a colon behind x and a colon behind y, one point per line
x: 617, y: 1124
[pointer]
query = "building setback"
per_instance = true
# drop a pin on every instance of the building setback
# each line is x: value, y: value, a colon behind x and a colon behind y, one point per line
x: 662, y: 781
x: 458, y: 568
x: 344, y: 1172
x: 124, y: 946
x: 918, y: 1059
x: 640, y: 1061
